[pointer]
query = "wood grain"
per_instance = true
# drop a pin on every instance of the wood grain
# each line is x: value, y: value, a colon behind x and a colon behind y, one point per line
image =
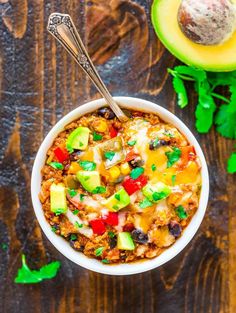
x: 39, y: 83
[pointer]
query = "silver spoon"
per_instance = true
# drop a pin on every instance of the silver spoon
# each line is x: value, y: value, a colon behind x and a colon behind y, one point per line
x: 63, y: 29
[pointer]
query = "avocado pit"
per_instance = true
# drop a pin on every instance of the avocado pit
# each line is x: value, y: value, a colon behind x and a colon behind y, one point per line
x: 207, y: 22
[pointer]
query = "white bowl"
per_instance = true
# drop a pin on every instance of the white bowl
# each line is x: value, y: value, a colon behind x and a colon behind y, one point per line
x: 79, y: 258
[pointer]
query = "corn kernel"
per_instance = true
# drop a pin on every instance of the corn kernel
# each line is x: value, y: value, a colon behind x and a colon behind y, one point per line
x: 100, y: 126
x: 114, y: 172
x: 74, y: 168
x: 124, y: 168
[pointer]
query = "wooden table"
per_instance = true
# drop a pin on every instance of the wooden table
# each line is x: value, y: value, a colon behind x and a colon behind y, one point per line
x: 39, y: 83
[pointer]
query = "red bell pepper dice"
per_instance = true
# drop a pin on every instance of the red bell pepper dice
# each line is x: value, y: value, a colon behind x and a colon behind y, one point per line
x: 113, y: 132
x: 142, y: 180
x: 130, y: 186
x: 98, y: 226
x: 111, y: 219
x: 61, y: 154
x: 133, y: 185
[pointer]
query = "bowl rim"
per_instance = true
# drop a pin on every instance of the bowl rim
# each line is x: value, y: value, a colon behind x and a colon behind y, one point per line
x: 125, y: 268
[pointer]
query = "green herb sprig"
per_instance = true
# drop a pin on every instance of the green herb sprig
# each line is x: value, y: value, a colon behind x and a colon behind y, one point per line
x: 173, y: 156
x: 87, y: 165
x: 208, y: 113
x: 27, y: 276
x: 99, y: 251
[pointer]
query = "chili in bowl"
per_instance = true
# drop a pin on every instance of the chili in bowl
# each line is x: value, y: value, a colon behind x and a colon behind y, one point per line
x: 111, y: 193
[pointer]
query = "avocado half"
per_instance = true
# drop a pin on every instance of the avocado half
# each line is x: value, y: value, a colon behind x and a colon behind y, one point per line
x: 216, y: 58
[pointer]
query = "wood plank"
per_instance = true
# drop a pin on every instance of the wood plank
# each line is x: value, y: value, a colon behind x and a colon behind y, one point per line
x: 39, y: 83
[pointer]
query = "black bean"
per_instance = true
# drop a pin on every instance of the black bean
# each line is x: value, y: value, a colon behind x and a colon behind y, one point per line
x: 123, y: 256
x: 112, y: 242
x: 75, y: 155
x: 72, y: 244
x: 56, y: 227
x: 164, y: 142
x: 175, y: 229
x: 139, y: 236
x: 155, y: 144
x: 81, y: 248
x: 137, y: 162
x: 107, y: 113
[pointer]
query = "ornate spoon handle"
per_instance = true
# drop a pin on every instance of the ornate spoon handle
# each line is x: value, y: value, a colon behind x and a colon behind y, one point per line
x: 63, y: 29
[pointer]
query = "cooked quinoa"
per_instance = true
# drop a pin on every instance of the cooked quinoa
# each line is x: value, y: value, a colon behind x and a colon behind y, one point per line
x: 120, y: 192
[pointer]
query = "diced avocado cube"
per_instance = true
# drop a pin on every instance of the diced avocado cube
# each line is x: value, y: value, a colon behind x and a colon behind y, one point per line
x: 156, y: 192
x: 117, y: 201
x: 78, y: 139
x: 58, y: 198
x: 125, y: 241
x: 89, y: 179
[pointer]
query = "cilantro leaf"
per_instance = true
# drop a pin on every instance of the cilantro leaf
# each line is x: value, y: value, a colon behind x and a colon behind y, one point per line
x: 204, y: 91
x: 72, y: 192
x: 97, y: 137
x: 180, y: 89
x: 154, y: 144
x: 78, y: 225
x: 56, y: 165
x: 173, y: 179
x: 69, y: 148
x: 99, y: 251
x: 87, y: 165
x: 54, y: 229
x: 136, y: 172
x: 81, y: 197
x: 168, y: 134
x: 222, y: 78
x: 232, y: 103
x: 188, y: 72
x: 231, y: 168
x: 145, y: 204
x: 173, y: 156
x: 111, y: 234
x: 204, y: 118
x: 109, y: 155
x: 59, y: 211
x: 105, y: 261
x: 205, y: 108
x: 156, y: 196
x: 131, y: 143
x: 226, y: 122
x: 99, y: 189
x: 4, y: 246
x: 75, y: 212
x: 180, y: 211
x: 73, y: 237
x: 27, y: 276
x: 153, y: 167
